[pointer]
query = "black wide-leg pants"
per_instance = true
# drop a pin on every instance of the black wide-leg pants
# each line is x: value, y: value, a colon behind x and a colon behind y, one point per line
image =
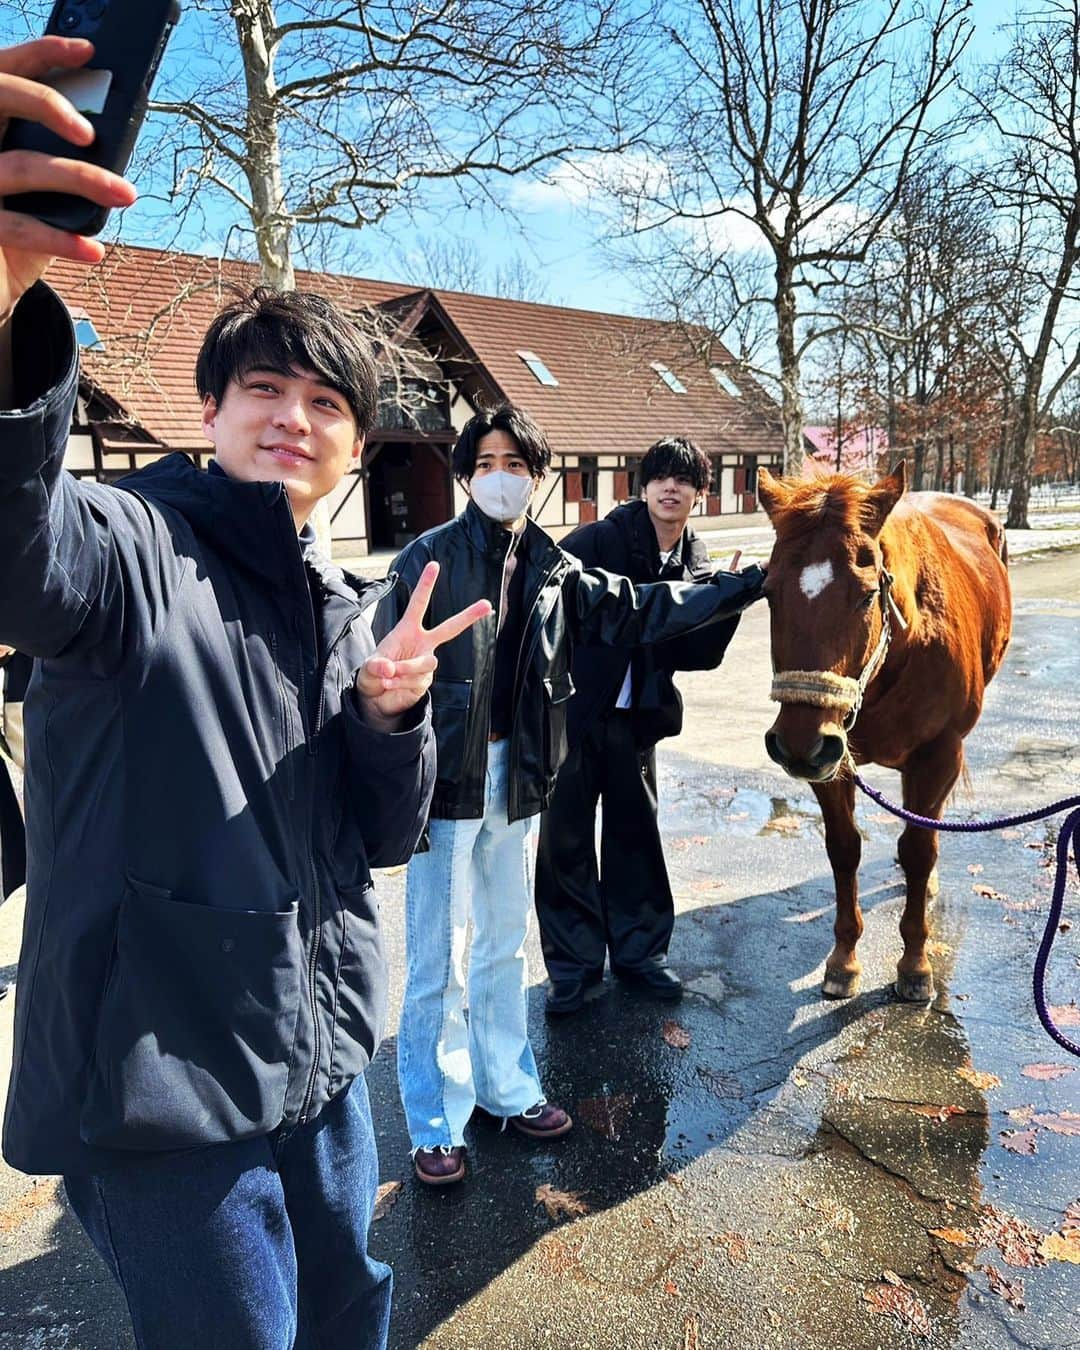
x: 625, y: 905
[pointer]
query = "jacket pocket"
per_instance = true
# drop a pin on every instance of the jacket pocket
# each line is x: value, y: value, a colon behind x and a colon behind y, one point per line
x: 557, y: 690
x: 450, y: 700
x: 196, y: 1024
x: 360, y: 1002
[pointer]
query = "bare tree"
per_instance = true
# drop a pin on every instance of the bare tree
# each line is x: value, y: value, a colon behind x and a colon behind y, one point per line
x: 801, y: 119
x: 452, y: 263
x: 1033, y: 100
x: 298, y: 121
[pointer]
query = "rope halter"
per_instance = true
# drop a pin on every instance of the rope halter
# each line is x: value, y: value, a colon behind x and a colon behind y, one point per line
x: 823, y: 688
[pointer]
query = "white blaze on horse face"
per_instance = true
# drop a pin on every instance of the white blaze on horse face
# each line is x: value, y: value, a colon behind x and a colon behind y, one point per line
x: 815, y: 578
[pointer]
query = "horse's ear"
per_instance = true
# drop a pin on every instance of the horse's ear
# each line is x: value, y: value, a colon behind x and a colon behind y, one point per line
x: 771, y: 492
x: 882, y: 497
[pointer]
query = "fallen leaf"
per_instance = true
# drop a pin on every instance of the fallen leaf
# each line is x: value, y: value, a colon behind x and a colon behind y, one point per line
x: 957, y: 1236
x: 1062, y: 1246
x: 606, y: 1115
x: 977, y: 1079
x: 721, y: 1084
x: 675, y: 1035
x: 556, y: 1257
x: 691, y: 1333
x: 1012, y: 1291
x: 783, y: 825
x: 935, y: 948
x: 386, y: 1197
x: 1015, y: 1239
x: 1072, y: 1216
x: 670, y: 1287
x: 1060, y: 1122
x: 1019, y: 1141
x: 1021, y: 1114
x: 1064, y: 926
x: 893, y: 1298
x: 560, y: 1204
x: 1008, y: 834
x: 940, y: 1114
x: 987, y: 892
x: 1046, y: 1072
x: 1066, y: 1014
x: 975, y: 868
x: 736, y: 1247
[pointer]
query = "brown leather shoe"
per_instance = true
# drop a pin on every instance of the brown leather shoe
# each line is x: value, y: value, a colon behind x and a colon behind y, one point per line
x: 439, y: 1166
x: 543, y: 1121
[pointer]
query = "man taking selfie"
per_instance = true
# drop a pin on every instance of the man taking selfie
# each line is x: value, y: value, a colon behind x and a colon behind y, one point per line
x: 217, y: 756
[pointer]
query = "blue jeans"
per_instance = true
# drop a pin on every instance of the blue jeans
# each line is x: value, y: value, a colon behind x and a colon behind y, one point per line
x: 254, y: 1245
x: 447, y: 1065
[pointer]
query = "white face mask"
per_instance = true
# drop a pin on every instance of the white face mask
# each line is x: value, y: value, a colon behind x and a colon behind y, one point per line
x: 502, y: 496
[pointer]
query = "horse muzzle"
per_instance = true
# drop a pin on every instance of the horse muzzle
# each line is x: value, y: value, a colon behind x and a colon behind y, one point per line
x: 820, y: 763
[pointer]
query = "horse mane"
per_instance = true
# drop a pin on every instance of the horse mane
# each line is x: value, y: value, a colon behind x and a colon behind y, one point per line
x: 836, y: 502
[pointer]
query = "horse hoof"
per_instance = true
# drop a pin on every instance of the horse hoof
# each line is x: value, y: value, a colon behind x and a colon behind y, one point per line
x: 841, y: 983
x: 914, y: 988
x: 933, y: 885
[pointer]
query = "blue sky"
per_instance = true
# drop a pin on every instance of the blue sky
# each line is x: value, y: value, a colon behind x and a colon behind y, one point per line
x: 551, y: 228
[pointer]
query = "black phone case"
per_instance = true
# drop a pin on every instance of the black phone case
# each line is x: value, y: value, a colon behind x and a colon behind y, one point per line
x: 129, y: 37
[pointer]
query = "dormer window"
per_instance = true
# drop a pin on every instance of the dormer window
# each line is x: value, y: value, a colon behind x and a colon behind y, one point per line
x: 724, y: 380
x: 85, y: 333
x: 669, y: 377
x: 543, y: 375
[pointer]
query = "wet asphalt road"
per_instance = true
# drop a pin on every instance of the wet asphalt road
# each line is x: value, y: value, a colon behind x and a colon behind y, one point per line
x: 777, y: 1168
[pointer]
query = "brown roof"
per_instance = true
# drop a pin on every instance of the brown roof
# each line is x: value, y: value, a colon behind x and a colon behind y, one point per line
x: 151, y: 309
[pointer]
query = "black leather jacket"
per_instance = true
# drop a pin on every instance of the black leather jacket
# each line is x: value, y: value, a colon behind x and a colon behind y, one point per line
x: 564, y: 603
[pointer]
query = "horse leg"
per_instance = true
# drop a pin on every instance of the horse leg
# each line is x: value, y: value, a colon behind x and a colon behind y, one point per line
x: 928, y: 778
x: 844, y: 847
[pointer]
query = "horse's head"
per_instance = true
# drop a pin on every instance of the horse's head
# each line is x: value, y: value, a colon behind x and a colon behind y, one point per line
x: 828, y: 594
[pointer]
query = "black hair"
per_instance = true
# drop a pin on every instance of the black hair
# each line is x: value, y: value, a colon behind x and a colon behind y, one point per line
x: 676, y: 457
x: 265, y: 329
x: 516, y: 422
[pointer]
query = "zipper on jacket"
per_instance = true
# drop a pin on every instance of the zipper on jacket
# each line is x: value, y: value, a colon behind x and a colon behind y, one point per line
x: 316, y: 939
x: 286, y: 721
x: 498, y: 618
x: 512, y: 783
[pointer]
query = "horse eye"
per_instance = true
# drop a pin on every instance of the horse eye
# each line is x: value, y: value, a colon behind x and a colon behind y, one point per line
x: 868, y: 599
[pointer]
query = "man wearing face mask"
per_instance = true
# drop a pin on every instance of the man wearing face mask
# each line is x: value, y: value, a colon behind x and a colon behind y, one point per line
x: 499, y: 701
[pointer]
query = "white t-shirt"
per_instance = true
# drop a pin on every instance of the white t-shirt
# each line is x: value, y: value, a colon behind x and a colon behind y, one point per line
x: 623, y: 701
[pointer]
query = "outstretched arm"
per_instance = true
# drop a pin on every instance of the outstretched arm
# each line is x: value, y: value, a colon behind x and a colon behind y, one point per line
x: 53, y: 544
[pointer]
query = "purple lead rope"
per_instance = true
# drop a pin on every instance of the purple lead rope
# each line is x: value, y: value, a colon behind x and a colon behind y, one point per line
x: 1068, y: 834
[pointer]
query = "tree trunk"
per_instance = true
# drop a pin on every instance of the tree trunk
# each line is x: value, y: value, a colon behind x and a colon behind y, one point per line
x: 1023, y: 452
x: 918, y: 467
x: 255, y: 23
x: 791, y: 409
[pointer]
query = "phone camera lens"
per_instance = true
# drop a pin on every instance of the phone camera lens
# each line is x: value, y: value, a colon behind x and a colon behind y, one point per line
x: 69, y: 19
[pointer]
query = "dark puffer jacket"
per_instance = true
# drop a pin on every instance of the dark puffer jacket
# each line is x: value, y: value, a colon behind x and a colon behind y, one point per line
x: 563, y: 604
x: 625, y: 541
x: 201, y: 956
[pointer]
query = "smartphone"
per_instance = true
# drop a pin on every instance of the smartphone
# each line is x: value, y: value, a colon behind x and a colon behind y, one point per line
x: 111, y: 91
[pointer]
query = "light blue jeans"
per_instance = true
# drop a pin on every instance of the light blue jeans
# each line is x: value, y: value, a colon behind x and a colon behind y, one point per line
x: 448, y: 1064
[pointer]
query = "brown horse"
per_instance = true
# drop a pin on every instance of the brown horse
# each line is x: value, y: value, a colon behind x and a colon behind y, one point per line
x: 889, y: 615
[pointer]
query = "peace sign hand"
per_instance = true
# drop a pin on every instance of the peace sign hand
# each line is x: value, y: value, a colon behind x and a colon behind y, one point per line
x: 398, y: 675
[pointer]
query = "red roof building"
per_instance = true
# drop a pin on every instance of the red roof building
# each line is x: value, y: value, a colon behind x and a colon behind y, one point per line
x: 602, y: 386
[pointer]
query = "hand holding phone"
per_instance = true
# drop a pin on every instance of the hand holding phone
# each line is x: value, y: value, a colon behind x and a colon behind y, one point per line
x: 110, y: 87
x: 27, y: 245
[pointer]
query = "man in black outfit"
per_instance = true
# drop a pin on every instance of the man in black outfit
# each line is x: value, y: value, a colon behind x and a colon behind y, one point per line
x: 619, y: 712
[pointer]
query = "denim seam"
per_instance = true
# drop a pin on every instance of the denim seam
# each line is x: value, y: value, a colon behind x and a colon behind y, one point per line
x: 116, y: 1257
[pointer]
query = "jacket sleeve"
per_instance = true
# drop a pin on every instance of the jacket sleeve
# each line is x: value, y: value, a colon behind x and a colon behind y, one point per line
x: 72, y: 555
x: 612, y: 610
x: 392, y: 778
x: 703, y: 649
x: 406, y: 568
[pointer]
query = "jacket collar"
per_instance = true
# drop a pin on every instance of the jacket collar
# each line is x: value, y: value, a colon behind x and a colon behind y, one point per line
x: 249, y: 522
